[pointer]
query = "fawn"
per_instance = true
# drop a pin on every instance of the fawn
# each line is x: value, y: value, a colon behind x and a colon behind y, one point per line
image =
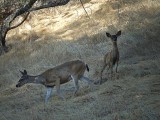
x: 112, y: 57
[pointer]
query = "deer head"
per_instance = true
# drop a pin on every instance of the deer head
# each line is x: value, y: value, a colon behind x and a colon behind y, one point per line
x: 113, y: 37
x: 24, y: 79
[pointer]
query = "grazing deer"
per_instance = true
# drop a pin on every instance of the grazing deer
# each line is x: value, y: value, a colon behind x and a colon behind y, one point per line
x: 112, y: 57
x: 58, y: 75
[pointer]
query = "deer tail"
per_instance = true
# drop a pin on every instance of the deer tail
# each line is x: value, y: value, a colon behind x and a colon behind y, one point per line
x: 87, y: 67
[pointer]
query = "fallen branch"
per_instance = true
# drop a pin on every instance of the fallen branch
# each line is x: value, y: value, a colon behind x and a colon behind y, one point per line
x: 84, y: 9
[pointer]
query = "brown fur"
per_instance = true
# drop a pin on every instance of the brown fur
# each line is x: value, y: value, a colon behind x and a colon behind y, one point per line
x: 63, y: 72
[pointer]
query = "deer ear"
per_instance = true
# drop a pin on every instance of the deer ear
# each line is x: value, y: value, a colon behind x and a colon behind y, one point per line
x: 21, y: 72
x: 108, y: 34
x: 118, y: 33
x: 25, y: 72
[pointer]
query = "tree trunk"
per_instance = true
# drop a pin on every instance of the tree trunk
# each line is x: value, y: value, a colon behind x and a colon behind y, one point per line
x: 27, y: 8
x: 6, y: 24
x: 3, y: 33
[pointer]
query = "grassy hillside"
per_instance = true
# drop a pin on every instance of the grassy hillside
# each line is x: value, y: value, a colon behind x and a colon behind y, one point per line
x: 53, y: 36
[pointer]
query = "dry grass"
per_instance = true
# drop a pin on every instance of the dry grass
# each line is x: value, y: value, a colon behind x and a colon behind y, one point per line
x: 51, y: 37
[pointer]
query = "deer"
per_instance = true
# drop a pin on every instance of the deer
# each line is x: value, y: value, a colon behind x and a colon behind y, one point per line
x: 60, y: 74
x: 111, y: 58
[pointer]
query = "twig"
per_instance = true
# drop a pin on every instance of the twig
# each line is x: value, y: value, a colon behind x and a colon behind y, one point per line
x: 20, y: 22
x: 84, y: 9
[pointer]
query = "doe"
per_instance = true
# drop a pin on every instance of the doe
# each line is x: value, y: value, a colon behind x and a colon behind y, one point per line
x: 58, y: 75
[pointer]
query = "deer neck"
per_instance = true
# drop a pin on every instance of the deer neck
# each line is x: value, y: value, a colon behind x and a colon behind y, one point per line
x: 115, y: 48
x: 36, y: 79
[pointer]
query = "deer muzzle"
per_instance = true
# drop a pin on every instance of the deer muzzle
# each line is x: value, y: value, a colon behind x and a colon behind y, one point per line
x: 17, y: 85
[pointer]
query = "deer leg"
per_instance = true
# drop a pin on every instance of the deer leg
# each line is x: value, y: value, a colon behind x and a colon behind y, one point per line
x: 58, y: 89
x: 117, y: 67
x: 111, y: 71
x: 49, y: 91
x: 83, y: 78
x: 102, y: 71
x: 75, y: 80
x: 117, y: 70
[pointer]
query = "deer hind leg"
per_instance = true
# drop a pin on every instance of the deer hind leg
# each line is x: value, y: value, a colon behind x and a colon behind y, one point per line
x: 85, y: 79
x: 75, y: 80
x: 58, y: 89
x: 107, y: 64
x: 48, y: 94
x: 103, y: 70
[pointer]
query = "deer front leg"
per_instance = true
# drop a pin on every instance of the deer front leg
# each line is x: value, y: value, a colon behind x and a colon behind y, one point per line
x: 58, y: 89
x: 117, y: 67
x: 48, y: 94
x: 117, y: 76
x: 75, y: 80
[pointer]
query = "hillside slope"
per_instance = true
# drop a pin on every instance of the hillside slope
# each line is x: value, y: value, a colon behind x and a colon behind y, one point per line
x: 53, y: 36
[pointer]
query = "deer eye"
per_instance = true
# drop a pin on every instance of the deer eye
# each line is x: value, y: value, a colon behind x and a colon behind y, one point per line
x: 21, y: 79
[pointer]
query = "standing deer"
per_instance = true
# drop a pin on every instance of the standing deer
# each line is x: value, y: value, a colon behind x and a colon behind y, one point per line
x: 58, y: 75
x: 112, y: 57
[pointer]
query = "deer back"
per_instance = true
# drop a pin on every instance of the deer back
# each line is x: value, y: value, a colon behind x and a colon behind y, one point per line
x: 64, y: 71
